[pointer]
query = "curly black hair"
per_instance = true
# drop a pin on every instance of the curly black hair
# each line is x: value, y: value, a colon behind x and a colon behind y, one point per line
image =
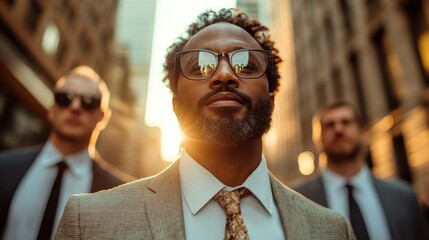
x: 233, y: 16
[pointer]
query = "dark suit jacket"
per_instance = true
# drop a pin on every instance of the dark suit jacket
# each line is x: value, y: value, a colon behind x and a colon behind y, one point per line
x: 14, y: 164
x: 399, y: 202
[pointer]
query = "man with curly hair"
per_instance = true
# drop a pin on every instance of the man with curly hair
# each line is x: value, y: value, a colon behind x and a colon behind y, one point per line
x: 223, y: 76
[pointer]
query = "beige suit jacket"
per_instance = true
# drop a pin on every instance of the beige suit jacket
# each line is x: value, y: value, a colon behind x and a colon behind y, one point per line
x: 151, y: 208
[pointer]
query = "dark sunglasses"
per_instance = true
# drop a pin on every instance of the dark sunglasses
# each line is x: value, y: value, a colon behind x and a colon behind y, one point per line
x: 89, y: 103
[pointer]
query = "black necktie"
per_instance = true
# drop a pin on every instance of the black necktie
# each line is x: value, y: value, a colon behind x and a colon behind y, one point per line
x: 356, y: 218
x: 45, y: 230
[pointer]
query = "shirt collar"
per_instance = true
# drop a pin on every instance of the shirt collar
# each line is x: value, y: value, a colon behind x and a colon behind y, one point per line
x: 361, y: 180
x: 336, y: 181
x: 79, y: 163
x: 199, y: 185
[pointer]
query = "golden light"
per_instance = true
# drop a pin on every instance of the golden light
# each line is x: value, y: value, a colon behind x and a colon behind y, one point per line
x: 384, y: 124
x: 306, y: 163
x: 170, y: 141
x: 424, y: 50
x: 317, y: 130
x: 323, y: 160
x: 51, y: 38
x: 171, y: 19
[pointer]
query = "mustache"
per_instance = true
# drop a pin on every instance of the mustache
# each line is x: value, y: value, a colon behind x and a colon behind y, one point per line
x: 341, y: 136
x: 246, y: 99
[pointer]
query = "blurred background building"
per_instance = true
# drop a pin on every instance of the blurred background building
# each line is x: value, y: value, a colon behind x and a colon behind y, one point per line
x: 41, y: 40
x: 373, y: 53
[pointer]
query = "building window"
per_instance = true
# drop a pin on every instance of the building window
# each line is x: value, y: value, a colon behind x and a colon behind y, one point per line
x: 329, y: 33
x: 67, y: 10
x: 357, y: 78
x: 306, y: 115
x: 85, y: 45
x: 402, y: 167
x: 61, y: 51
x: 388, y: 68
x: 373, y: 7
x: 321, y: 92
x: 20, y: 126
x: 419, y: 27
x: 337, y: 83
x: 347, y: 16
x: 371, y: 2
x: 33, y: 15
x: 10, y: 2
x: 315, y: 44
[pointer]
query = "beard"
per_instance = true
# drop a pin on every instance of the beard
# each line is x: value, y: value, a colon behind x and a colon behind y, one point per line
x: 227, y: 129
x: 344, y: 155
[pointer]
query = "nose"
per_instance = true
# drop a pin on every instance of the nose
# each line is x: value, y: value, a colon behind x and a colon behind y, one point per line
x: 338, y: 127
x: 224, y: 75
x: 75, y: 104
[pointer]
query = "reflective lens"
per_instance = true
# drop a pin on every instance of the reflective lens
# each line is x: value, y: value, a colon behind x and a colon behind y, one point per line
x: 202, y: 64
x: 89, y: 103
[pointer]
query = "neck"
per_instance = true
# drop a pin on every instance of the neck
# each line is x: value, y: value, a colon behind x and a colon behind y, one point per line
x: 232, y: 165
x: 68, y: 147
x: 347, y: 169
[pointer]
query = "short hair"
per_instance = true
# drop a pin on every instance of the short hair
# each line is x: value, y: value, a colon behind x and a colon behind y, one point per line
x: 316, y: 124
x: 234, y: 16
x: 90, y: 74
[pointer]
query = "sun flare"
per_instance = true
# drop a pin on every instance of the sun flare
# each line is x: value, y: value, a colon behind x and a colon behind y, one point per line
x: 172, y: 18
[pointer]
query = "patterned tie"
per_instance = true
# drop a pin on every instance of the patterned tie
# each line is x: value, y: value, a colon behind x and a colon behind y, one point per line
x: 230, y: 203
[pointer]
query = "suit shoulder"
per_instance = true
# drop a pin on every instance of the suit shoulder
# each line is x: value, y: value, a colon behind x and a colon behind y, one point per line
x: 313, y: 209
x: 309, y: 213
x: 107, y: 170
x: 303, y: 203
x: 323, y: 218
x: 308, y: 185
x: 18, y: 158
x: 13, y: 154
x: 121, y: 194
x: 397, y: 186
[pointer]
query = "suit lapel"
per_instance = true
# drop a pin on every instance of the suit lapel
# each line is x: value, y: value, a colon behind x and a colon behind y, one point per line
x: 294, y: 224
x: 386, y: 203
x: 164, y: 206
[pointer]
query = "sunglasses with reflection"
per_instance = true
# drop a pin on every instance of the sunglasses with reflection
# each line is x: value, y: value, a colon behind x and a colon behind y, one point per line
x: 89, y: 103
x: 201, y: 64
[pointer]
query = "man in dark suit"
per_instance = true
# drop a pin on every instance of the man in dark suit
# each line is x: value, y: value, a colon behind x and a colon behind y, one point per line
x: 67, y: 162
x: 378, y: 209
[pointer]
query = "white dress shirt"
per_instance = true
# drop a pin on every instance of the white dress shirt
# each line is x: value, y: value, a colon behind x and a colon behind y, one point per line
x: 205, y: 219
x: 364, y: 194
x: 30, y: 199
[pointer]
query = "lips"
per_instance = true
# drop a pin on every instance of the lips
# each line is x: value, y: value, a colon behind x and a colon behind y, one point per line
x: 224, y: 99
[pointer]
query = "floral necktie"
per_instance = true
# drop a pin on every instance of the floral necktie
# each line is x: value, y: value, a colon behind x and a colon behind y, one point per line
x: 230, y: 203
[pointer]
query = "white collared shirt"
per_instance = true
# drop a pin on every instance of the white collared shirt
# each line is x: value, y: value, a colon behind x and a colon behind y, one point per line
x: 30, y: 199
x: 205, y: 219
x: 364, y: 194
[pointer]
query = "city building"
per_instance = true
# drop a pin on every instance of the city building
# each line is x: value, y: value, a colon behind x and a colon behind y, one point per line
x: 40, y: 40
x: 373, y: 53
